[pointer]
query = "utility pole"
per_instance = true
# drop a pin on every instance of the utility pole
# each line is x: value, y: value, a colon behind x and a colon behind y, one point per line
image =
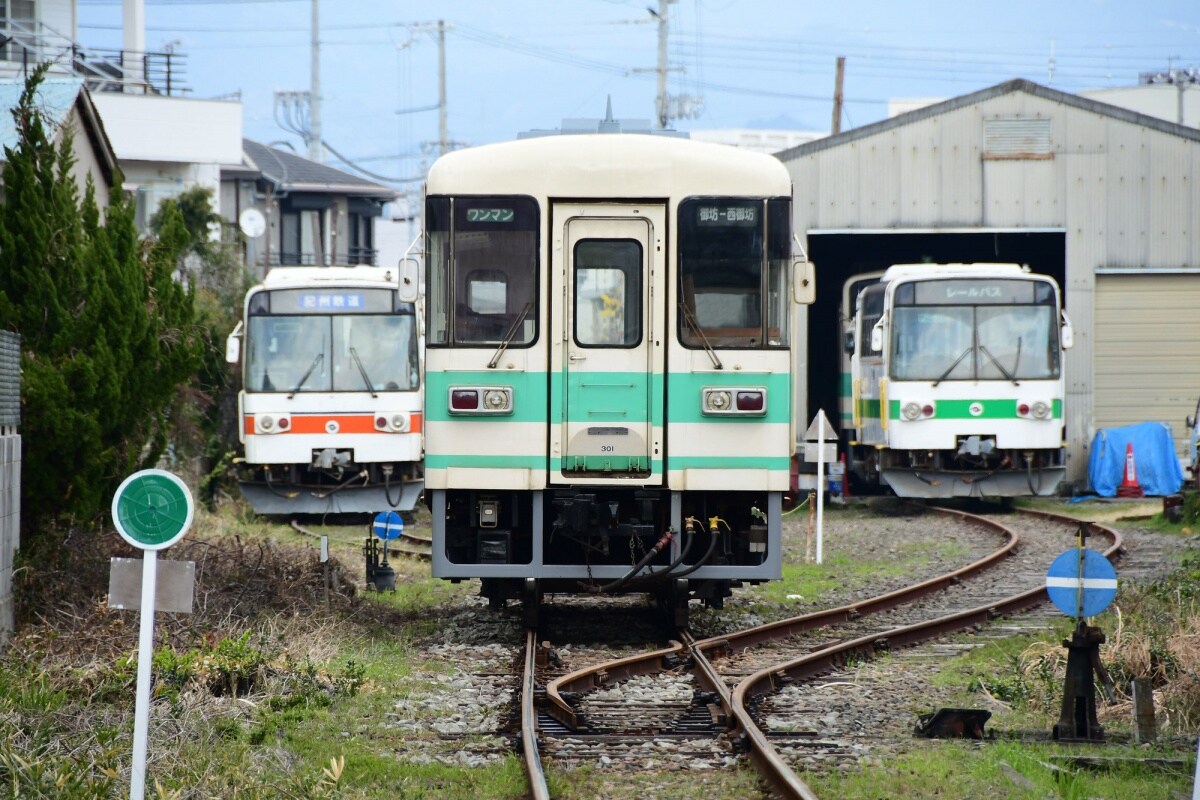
x: 315, y: 148
x: 443, y: 134
x: 1050, y: 65
x: 663, y: 30
x: 837, y: 96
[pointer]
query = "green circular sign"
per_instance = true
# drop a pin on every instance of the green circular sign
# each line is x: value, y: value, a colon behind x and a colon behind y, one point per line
x: 152, y: 509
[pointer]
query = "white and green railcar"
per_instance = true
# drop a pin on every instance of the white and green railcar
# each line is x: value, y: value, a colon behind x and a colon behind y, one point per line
x: 609, y: 385
x: 956, y: 381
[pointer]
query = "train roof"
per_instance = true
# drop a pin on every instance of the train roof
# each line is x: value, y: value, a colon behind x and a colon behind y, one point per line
x: 293, y: 277
x: 898, y: 272
x: 611, y: 165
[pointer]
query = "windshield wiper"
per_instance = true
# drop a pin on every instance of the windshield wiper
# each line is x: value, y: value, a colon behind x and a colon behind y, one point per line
x: 690, y: 320
x: 509, y: 335
x: 1000, y: 367
x: 363, y: 371
x: 950, y: 369
x: 304, y: 377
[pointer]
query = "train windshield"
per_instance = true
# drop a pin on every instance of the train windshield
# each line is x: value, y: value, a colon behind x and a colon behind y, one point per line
x: 733, y: 267
x: 968, y: 329
x: 482, y: 260
x: 321, y: 351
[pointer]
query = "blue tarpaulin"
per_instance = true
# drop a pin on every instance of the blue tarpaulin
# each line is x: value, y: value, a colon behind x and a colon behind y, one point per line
x: 1156, y: 465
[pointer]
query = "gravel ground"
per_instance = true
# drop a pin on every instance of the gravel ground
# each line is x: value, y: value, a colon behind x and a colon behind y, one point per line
x: 457, y: 709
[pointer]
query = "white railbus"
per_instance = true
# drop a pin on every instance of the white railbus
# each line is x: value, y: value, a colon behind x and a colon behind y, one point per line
x: 330, y: 406
x: 956, y: 381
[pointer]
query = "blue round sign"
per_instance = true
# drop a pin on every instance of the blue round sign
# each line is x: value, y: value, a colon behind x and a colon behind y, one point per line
x: 1086, y: 594
x: 388, y: 525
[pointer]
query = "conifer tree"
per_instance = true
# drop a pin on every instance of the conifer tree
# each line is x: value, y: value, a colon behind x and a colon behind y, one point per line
x: 107, y: 334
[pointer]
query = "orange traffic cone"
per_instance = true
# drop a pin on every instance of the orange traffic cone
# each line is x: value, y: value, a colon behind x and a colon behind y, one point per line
x: 1129, y: 486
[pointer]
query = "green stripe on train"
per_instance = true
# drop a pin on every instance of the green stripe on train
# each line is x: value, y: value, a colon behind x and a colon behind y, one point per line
x: 599, y: 397
x: 485, y: 462
x: 778, y: 463
x: 529, y: 395
x: 996, y: 408
x: 684, y: 396
x: 530, y: 402
x: 868, y: 408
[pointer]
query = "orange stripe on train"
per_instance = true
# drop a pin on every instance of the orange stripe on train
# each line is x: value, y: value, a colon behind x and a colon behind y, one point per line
x: 347, y: 423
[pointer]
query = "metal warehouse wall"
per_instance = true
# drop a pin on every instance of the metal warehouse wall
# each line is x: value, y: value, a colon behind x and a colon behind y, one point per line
x: 1147, y: 358
x: 10, y: 474
x: 1123, y: 187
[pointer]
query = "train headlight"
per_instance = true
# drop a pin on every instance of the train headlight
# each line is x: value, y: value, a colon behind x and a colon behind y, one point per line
x: 481, y: 400
x: 734, y: 401
x: 393, y: 423
x: 717, y: 401
x: 913, y: 411
x: 272, y: 423
x: 1040, y: 410
x: 497, y: 399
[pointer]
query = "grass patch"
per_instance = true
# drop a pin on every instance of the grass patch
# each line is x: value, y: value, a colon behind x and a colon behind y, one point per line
x: 651, y: 781
x: 999, y: 771
x: 854, y: 570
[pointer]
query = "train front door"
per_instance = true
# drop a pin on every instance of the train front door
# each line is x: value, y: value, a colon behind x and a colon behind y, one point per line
x: 609, y: 272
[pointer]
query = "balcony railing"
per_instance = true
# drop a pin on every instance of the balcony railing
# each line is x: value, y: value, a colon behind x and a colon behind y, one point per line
x: 357, y: 256
x: 24, y: 45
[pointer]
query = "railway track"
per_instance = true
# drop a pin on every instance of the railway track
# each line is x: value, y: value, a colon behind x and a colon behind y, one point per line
x: 705, y: 701
x: 408, y: 544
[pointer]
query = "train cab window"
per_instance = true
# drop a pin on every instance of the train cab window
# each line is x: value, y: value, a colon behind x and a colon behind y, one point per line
x: 608, y: 295
x: 733, y: 267
x: 375, y: 353
x: 320, y: 339
x: 481, y: 257
x: 288, y: 354
x: 965, y: 329
x: 870, y: 311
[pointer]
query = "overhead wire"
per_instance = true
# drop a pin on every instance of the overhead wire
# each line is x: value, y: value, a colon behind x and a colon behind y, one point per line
x: 709, y: 52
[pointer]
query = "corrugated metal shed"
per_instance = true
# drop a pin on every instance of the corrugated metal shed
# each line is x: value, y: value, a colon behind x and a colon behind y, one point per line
x: 1121, y: 187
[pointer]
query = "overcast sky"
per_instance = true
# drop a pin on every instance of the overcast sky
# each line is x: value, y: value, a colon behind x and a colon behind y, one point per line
x: 514, y: 65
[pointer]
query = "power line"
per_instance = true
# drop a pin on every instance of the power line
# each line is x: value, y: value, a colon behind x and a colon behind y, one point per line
x: 368, y: 172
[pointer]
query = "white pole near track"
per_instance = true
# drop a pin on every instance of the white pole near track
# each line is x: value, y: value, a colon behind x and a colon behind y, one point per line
x: 141, y: 714
x: 820, y: 480
x: 1196, y: 779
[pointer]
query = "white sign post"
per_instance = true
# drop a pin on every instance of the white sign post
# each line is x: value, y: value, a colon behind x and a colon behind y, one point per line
x: 820, y: 445
x: 152, y: 509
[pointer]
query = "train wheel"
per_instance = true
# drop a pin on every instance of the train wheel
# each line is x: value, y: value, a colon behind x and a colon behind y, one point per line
x: 672, y: 601
x: 531, y: 602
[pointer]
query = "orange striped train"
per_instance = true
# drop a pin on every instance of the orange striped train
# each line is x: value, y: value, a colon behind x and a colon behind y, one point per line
x: 330, y: 407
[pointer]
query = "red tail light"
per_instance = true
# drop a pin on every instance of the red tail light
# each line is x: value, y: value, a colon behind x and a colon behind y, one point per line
x: 750, y: 401
x: 464, y: 400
